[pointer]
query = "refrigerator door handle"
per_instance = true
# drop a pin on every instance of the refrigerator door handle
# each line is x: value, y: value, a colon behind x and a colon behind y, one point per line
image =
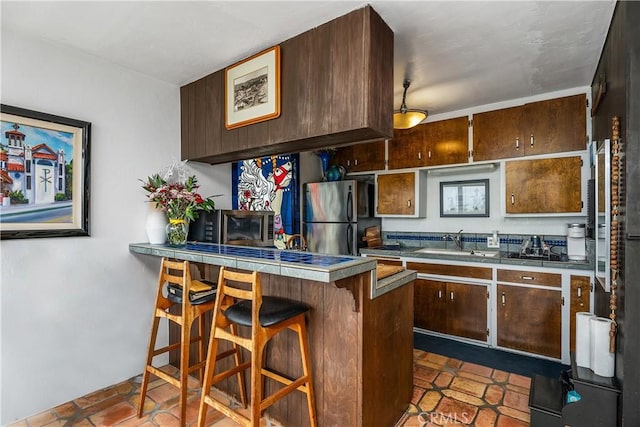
x: 350, y: 205
x: 349, y: 239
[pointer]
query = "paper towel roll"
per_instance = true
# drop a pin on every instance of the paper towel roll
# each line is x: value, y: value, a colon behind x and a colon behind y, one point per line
x: 583, y: 338
x: 602, y: 362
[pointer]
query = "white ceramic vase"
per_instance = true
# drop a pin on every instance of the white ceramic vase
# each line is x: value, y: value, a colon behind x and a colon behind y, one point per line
x: 156, y: 225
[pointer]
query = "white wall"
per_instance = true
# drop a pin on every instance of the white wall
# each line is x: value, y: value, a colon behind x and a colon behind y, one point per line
x: 549, y: 224
x: 76, y: 311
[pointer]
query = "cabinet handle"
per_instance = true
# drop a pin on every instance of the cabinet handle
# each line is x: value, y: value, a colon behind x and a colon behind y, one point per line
x: 517, y: 143
x: 451, y: 296
x: 504, y: 299
x: 355, y: 162
x: 527, y: 277
x: 419, y: 155
x: 408, y: 203
x: 348, y: 162
x: 429, y: 153
x: 439, y: 294
x: 580, y: 296
x: 531, y: 140
x: 513, y: 199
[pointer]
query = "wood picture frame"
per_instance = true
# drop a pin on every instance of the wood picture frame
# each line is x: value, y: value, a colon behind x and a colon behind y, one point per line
x: 464, y: 198
x: 252, y: 89
x: 44, y: 175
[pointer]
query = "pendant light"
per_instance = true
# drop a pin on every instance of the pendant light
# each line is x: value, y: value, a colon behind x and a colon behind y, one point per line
x: 406, y: 118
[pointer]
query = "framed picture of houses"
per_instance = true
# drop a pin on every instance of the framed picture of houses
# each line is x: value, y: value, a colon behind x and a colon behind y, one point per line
x: 44, y: 175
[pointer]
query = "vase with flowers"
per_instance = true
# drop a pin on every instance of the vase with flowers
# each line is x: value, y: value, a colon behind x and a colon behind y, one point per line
x: 180, y: 201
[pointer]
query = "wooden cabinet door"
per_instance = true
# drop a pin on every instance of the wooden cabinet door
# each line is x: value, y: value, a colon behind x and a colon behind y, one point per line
x: 407, y: 148
x: 430, y: 305
x: 580, y: 300
x: 437, y: 143
x: 368, y: 156
x: 396, y: 194
x: 498, y: 134
x: 201, y: 118
x: 544, y: 127
x: 344, y: 157
x: 467, y: 311
x: 530, y: 319
x: 556, y: 125
x: 446, y: 142
x: 544, y: 185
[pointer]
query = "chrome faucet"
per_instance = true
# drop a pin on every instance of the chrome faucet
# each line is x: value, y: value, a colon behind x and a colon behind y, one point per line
x: 457, y: 239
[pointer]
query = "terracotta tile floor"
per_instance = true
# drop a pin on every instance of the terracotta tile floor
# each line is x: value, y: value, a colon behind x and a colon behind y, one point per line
x: 446, y: 392
x: 117, y: 406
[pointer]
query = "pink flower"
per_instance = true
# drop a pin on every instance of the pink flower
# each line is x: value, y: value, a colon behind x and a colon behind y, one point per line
x: 178, y: 200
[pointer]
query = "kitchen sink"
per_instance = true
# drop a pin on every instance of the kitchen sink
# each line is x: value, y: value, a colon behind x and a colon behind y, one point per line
x: 437, y: 251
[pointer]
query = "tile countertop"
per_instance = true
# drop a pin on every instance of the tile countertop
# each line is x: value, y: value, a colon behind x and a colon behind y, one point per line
x: 502, y: 258
x: 302, y: 265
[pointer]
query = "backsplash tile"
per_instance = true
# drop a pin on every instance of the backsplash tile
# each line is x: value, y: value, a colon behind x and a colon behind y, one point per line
x: 470, y: 241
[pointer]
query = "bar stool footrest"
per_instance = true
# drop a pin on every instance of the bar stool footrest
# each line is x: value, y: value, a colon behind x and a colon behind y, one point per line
x: 227, y: 411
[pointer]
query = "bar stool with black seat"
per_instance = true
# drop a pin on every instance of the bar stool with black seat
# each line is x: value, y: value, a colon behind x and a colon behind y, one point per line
x: 175, y: 280
x: 266, y: 316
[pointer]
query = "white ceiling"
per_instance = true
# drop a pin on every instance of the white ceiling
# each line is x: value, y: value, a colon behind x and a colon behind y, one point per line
x: 457, y: 54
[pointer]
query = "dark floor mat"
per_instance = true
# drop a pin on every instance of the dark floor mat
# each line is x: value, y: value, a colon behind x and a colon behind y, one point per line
x: 496, y: 359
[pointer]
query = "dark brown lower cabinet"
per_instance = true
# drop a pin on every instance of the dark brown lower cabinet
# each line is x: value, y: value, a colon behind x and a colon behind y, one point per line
x: 458, y: 309
x: 580, y: 300
x: 530, y: 319
x: 429, y: 305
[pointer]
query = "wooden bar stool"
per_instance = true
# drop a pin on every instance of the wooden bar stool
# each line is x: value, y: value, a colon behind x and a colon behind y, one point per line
x: 175, y: 281
x: 297, y: 241
x: 275, y: 315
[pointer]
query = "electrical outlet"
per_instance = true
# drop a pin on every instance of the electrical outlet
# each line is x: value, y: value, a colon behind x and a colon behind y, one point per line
x: 493, y: 243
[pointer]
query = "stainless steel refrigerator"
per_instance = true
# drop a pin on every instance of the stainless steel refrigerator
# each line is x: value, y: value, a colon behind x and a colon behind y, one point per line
x: 335, y: 215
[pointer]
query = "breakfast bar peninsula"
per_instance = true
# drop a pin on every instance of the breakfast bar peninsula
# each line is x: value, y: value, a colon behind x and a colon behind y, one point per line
x: 360, y: 328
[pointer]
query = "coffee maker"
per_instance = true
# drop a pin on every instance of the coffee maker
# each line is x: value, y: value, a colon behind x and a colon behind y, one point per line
x: 576, y: 242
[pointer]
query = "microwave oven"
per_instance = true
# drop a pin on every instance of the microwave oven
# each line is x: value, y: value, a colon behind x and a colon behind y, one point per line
x: 233, y: 227
x: 206, y: 228
x: 249, y: 228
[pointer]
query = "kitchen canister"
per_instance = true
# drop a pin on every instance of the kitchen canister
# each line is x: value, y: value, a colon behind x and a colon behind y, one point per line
x: 583, y: 338
x: 602, y: 361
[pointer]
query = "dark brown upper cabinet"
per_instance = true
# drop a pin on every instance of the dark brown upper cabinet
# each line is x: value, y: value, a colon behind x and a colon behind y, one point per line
x: 361, y: 157
x: 544, y: 127
x: 336, y: 88
x: 443, y: 142
x: 550, y: 185
x: 201, y: 121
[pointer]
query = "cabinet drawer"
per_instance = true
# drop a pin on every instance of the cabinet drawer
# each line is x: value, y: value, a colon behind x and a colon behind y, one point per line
x: 386, y: 260
x: 451, y: 270
x: 530, y: 277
